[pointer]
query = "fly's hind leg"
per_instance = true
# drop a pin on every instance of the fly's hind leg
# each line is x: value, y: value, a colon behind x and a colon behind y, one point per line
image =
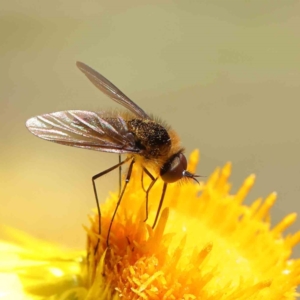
x: 120, y: 174
x: 96, y: 195
x: 120, y: 198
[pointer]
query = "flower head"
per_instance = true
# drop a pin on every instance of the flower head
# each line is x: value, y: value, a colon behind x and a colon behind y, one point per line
x: 35, y: 269
x: 206, y: 245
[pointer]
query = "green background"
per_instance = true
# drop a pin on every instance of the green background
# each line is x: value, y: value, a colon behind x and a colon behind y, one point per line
x: 224, y: 74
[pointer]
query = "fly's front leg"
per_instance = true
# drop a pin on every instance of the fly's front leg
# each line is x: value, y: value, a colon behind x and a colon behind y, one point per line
x: 160, y: 204
x: 147, y: 197
x: 142, y: 177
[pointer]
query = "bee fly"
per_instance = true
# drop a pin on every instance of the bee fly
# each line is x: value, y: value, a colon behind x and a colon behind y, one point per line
x: 147, y: 142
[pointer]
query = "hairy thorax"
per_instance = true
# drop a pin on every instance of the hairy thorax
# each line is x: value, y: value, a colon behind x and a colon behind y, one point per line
x: 151, y: 137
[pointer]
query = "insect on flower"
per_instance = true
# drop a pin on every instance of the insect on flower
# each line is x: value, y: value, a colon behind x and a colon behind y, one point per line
x: 147, y: 142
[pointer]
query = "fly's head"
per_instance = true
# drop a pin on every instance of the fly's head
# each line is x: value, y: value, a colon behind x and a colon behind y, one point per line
x: 175, y: 169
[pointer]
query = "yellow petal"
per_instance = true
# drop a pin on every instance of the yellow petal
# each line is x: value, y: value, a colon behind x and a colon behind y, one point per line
x: 206, y: 245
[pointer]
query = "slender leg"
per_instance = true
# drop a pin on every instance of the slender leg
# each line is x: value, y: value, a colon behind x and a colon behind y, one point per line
x: 142, y: 181
x: 120, y: 199
x: 160, y: 204
x: 142, y: 177
x: 148, y: 173
x: 120, y: 175
x: 147, y: 197
x: 96, y: 195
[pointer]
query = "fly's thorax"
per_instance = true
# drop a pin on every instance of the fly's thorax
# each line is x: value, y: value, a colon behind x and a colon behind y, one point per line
x: 152, y: 138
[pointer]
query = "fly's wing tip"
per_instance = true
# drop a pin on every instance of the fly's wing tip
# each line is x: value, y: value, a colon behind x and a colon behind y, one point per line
x: 29, y: 123
x: 33, y: 123
x: 80, y: 65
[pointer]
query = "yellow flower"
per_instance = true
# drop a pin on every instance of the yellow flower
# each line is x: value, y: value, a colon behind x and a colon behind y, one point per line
x: 206, y: 245
x: 35, y: 269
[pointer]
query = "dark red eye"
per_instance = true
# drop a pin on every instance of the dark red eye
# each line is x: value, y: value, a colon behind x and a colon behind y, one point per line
x: 173, y: 170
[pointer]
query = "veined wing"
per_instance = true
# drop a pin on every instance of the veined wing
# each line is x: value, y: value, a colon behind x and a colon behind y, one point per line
x: 84, y: 129
x: 105, y: 86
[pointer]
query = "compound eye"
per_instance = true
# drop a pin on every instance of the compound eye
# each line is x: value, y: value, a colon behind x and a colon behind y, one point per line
x: 174, y: 169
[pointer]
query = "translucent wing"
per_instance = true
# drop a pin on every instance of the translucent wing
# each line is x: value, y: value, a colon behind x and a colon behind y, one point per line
x: 84, y: 129
x: 111, y: 90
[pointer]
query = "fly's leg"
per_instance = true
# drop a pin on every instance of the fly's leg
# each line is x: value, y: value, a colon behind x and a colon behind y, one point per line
x: 120, y: 199
x: 160, y: 204
x: 120, y: 174
x: 147, y: 197
x: 96, y: 195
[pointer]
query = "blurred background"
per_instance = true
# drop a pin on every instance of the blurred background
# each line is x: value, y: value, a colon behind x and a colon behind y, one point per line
x: 224, y: 74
